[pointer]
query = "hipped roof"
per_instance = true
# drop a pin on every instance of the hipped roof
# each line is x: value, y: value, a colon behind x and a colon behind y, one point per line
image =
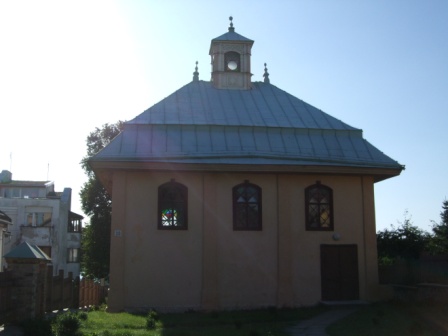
x: 27, y: 251
x: 199, y: 124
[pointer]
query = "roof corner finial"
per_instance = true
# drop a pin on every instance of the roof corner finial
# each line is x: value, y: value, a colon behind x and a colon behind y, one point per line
x: 196, y: 73
x: 266, y: 74
x: 231, y: 28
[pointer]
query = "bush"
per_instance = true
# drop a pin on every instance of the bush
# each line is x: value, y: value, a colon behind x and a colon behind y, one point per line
x: 102, y: 307
x: 150, y: 323
x: 254, y: 333
x: 83, y: 316
x: 153, y: 314
x: 66, y: 324
x: 385, y: 261
x: 151, y: 320
x: 36, y: 327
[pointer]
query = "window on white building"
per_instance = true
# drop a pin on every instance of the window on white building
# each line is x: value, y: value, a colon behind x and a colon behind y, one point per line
x: 38, y: 218
x: 73, y: 255
x: 75, y: 223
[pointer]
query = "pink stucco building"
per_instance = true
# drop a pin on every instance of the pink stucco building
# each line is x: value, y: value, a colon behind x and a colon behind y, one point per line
x: 231, y: 193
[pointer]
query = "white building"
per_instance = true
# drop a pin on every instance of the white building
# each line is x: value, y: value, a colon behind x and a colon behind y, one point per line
x: 5, y: 223
x: 42, y: 217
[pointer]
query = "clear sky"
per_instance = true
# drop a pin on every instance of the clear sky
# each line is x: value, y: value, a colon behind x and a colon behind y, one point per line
x: 67, y: 67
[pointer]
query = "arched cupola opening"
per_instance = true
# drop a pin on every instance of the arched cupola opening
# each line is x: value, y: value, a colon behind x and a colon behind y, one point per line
x: 232, y: 61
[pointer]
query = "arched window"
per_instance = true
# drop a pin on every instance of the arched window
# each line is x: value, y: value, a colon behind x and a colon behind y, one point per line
x: 319, y: 207
x: 246, y: 206
x: 232, y: 61
x: 173, y: 206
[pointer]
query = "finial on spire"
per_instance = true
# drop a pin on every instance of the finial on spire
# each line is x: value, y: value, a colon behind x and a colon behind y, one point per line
x: 196, y: 73
x: 266, y: 74
x: 231, y: 28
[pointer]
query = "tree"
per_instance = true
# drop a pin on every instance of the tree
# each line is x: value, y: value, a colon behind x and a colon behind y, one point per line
x: 439, y: 243
x: 405, y: 241
x: 97, y: 204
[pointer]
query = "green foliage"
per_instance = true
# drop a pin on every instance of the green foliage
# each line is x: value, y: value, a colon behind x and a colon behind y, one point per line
x: 36, y: 327
x: 150, y: 323
x: 385, y: 261
x: 404, y: 241
x: 151, y: 320
x: 439, y: 243
x: 97, y: 204
x: 83, y: 316
x: 101, y: 307
x: 154, y: 315
x: 256, y: 322
x: 66, y: 324
x: 408, y: 241
x: 254, y: 333
x: 97, y: 140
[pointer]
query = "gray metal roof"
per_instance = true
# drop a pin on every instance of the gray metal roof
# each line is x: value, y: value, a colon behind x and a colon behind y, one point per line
x: 27, y: 251
x: 265, y: 125
x: 199, y: 103
x: 4, y: 217
x: 231, y: 36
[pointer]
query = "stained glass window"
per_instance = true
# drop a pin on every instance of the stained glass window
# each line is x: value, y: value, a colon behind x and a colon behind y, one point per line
x: 173, y: 206
x: 169, y: 217
x: 246, y: 207
x: 319, y: 207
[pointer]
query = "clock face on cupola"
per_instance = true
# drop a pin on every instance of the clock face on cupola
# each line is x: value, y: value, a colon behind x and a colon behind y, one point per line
x: 230, y: 56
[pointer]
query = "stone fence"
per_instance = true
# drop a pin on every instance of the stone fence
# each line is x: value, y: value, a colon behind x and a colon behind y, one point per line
x: 427, y: 269
x: 420, y: 280
x: 422, y: 293
x: 28, y: 289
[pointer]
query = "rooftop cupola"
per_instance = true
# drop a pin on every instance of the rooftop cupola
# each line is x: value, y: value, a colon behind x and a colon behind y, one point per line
x: 230, y: 57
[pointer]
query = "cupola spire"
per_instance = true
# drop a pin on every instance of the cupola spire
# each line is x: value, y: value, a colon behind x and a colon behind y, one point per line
x: 231, y: 28
x: 196, y: 73
x: 266, y: 74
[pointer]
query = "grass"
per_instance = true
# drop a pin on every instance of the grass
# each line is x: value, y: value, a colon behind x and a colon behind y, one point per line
x: 266, y: 322
x: 394, y: 319
x: 380, y: 319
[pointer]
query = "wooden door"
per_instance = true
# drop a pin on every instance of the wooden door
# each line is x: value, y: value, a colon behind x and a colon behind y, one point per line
x: 339, y: 272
